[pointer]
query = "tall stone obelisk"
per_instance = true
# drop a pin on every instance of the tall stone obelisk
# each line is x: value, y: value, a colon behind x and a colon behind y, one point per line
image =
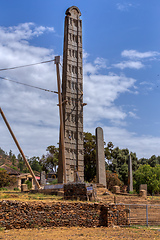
x: 100, y: 159
x: 72, y: 96
x: 130, y: 175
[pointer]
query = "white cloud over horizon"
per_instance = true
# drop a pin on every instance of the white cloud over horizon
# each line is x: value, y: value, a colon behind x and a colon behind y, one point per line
x: 124, y: 6
x: 136, y: 59
x: 132, y: 54
x: 129, y: 64
x: 33, y: 114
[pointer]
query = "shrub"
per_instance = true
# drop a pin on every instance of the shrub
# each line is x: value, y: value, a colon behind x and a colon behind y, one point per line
x: 29, y: 184
x: 3, y: 189
x: 112, y: 180
x: 55, y: 181
x: 148, y: 175
x: 5, y: 179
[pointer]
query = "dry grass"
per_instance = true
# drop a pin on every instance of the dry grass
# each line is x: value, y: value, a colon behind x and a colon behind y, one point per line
x: 80, y: 233
x: 8, y: 195
x: 27, y: 196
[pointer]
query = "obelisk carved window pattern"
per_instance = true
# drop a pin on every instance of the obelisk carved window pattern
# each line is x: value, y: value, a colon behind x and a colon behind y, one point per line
x: 72, y: 91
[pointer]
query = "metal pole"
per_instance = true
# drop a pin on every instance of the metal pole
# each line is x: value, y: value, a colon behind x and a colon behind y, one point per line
x: 18, y: 146
x: 147, y: 215
x: 57, y: 62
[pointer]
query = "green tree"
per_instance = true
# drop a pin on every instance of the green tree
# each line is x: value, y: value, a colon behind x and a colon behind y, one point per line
x: 13, y: 159
x: 35, y: 164
x: 50, y: 160
x: 108, y: 153
x: 21, y: 163
x: 143, y: 161
x: 119, y: 163
x: 158, y: 159
x: 2, y: 153
x: 10, y: 154
x: 148, y: 175
x: 153, y: 161
x: 89, y: 156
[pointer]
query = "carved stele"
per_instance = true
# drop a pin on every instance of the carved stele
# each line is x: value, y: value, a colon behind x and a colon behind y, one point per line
x: 72, y: 92
x: 130, y: 175
x: 100, y: 160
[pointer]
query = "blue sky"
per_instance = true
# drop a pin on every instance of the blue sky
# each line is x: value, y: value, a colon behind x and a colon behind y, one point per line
x: 121, y: 44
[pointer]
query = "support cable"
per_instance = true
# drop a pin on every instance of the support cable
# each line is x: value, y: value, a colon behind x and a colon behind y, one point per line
x: 28, y: 65
x: 28, y: 85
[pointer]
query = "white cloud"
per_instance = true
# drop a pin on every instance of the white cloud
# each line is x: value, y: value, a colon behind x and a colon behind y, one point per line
x: 146, y: 83
x: 88, y: 68
x: 33, y: 114
x: 129, y: 64
x: 100, y: 92
x: 124, y: 6
x: 139, y: 55
x: 100, y: 62
x: 85, y: 55
x: 133, y: 115
x: 22, y: 32
x: 147, y: 86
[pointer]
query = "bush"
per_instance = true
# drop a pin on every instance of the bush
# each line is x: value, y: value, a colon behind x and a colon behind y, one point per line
x: 5, y: 179
x: 3, y: 189
x: 148, y: 175
x: 112, y: 180
x: 29, y: 184
x: 55, y: 181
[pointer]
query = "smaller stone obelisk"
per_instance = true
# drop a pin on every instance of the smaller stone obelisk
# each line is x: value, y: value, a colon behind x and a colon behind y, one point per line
x: 130, y: 175
x: 100, y: 160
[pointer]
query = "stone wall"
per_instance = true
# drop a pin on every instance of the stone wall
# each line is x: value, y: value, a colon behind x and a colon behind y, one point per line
x: 75, y: 190
x: 15, y: 214
x: 80, y: 191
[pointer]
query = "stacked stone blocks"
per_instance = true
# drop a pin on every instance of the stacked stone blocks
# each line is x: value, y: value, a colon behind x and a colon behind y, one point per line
x: 14, y: 214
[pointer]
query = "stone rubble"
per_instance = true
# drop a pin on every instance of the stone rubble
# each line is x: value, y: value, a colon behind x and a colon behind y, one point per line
x: 15, y: 214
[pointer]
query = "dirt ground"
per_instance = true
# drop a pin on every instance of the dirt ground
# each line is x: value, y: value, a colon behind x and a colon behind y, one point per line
x: 80, y: 233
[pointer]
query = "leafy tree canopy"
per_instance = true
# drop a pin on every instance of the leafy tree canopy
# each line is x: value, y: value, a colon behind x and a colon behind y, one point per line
x: 89, y: 156
x: 117, y: 161
x: 148, y: 175
x: 35, y: 164
x: 49, y: 161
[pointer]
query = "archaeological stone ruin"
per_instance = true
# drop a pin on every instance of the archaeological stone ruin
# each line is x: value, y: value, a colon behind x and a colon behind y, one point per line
x: 100, y: 160
x: 130, y: 175
x: 72, y: 95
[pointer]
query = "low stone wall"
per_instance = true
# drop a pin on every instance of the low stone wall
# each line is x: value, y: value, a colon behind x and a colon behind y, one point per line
x: 80, y: 191
x: 14, y: 214
x: 75, y: 190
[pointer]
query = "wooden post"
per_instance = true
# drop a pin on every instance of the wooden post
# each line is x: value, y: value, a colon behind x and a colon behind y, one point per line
x: 57, y: 62
x: 18, y: 146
